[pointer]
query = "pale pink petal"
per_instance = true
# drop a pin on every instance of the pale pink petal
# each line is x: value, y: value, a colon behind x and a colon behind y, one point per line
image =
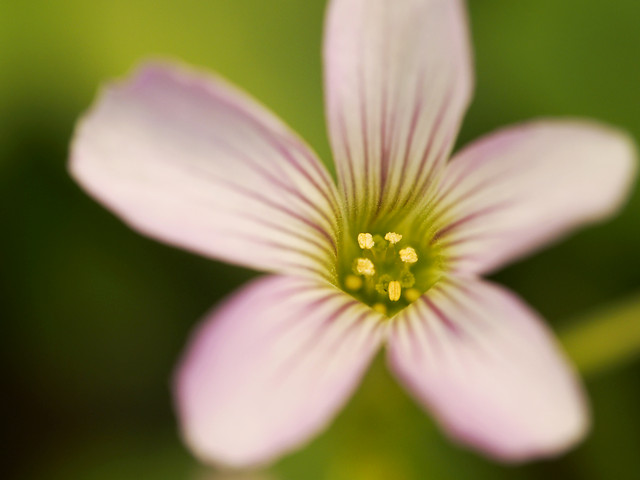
x: 398, y: 81
x: 515, y: 190
x: 187, y: 159
x: 489, y: 370
x: 271, y: 367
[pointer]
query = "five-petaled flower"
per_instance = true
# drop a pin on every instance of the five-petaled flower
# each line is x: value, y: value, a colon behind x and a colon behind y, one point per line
x: 391, y: 254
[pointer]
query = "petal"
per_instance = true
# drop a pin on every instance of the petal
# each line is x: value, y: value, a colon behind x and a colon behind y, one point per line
x: 187, y: 159
x: 511, y: 192
x: 489, y: 370
x: 398, y: 80
x: 271, y: 367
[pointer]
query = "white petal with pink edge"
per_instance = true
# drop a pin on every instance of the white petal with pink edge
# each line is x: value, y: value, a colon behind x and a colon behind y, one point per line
x: 515, y: 190
x: 187, y: 159
x: 271, y: 367
x: 489, y: 370
x: 398, y: 79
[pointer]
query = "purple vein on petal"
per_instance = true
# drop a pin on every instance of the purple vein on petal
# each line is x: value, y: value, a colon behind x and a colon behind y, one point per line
x: 459, y: 196
x: 285, y: 247
x: 430, y: 181
x: 470, y: 304
x: 348, y: 196
x: 277, y: 182
x: 462, y: 174
x: 280, y: 226
x: 322, y: 172
x: 312, y: 161
x: 323, y: 273
x: 278, y: 141
x: 417, y: 112
x: 278, y: 329
x: 444, y: 330
x: 322, y: 265
x: 362, y: 93
x: 468, y: 218
x: 288, y: 368
x: 384, y: 109
x: 281, y: 208
x: 457, y: 241
x: 305, y: 287
x: 428, y: 149
x: 410, y: 335
x: 423, y: 342
x: 446, y: 321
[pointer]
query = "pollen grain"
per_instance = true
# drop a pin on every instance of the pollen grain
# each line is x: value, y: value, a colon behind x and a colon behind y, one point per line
x: 365, y: 241
x: 393, y: 237
x: 365, y: 267
x: 408, y: 255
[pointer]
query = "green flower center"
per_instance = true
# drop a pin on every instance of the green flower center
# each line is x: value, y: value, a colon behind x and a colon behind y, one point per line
x: 388, y: 271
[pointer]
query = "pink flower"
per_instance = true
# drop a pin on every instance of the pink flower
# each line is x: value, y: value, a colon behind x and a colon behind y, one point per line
x: 390, y: 255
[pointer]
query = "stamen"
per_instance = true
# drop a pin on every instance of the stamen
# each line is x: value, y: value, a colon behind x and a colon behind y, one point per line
x: 365, y: 240
x: 380, y: 308
x: 408, y: 255
x: 393, y: 237
x: 364, y: 266
x: 380, y: 246
x: 394, y: 291
x: 382, y: 287
x: 407, y: 280
x: 353, y: 283
x: 411, y: 295
x: 381, y: 272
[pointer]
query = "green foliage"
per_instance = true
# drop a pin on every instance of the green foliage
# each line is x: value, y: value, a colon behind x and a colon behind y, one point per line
x: 605, y: 339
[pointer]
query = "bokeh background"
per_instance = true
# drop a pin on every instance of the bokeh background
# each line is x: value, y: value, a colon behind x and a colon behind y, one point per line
x: 94, y: 316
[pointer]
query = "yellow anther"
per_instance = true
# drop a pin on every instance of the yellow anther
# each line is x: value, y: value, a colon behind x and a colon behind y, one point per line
x: 394, y: 290
x: 353, y: 283
x: 393, y: 237
x: 365, y: 240
x: 411, y: 295
x: 380, y: 308
x: 364, y: 266
x: 408, y: 255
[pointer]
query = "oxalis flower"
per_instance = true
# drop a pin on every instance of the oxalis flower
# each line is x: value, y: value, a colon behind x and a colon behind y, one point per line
x: 390, y: 255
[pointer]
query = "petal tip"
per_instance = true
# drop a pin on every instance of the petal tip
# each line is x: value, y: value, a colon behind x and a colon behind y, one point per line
x: 270, y: 369
x: 564, y: 438
x: 497, y: 384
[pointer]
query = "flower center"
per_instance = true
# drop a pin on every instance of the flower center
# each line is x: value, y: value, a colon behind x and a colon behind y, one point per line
x: 388, y: 272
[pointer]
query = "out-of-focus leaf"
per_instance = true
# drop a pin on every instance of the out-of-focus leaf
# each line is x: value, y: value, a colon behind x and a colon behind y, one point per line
x: 605, y: 339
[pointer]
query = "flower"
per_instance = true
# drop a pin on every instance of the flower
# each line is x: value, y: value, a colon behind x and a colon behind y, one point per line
x: 391, y: 255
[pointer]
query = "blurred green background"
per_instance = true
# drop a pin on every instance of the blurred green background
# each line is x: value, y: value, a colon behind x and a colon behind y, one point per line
x: 94, y: 316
